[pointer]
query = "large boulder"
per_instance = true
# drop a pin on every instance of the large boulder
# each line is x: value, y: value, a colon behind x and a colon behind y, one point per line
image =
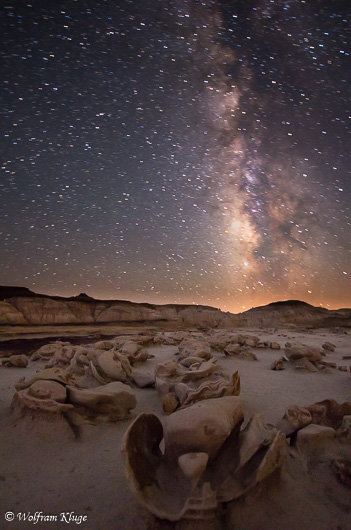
x: 298, y: 350
x: 114, y: 400
x: 207, y: 459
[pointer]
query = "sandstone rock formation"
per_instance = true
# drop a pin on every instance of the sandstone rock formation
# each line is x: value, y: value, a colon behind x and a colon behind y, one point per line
x: 207, y: 459
x: 114, y: 400
x: 327, y: 413
x: 20, y: 306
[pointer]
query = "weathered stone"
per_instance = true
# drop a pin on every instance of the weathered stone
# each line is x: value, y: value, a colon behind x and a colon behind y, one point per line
x: 114, y: 365
x: 115, y: 400
x: 342, y: 468
x: 202, y: 427
x: 233, y: 349
x: 54, y: 374
x: 144, y: 380
x: 43, y: 395
x: 312, y: 435
x: 18, y: 361
x: 328, y: 364
x: 329, y: 413
x: 343, y: 368
x: 194, y: 348
x: 345, y: 430
x: 295, y: 418
x: 170, y: 403
x: 104, y: 345
x: 297, y: 350
x: 206, y: 461
x: 278, y: 364
x: 250, y: 341
x: 275, y: 346
x: 305, y: 364
x: 328, y: 346
x: 207, y: 390
x: 193, y: 465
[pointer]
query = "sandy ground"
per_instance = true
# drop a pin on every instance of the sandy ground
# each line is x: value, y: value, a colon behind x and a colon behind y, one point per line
x: 45, y: 469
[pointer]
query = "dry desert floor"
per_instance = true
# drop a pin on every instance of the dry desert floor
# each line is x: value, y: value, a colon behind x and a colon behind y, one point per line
x: 45, y: 469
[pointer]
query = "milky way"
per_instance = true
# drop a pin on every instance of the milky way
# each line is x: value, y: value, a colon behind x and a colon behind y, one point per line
x: 181, y: 151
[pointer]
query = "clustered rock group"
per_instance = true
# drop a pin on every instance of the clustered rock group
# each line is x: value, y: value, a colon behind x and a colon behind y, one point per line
x: 202, y: 453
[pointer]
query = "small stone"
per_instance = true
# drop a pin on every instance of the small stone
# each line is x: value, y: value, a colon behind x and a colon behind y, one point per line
x: 343, y: 368
x: 328, y: 346
x: 305, y: 364
x: 278, y: 364
x: 330, y: 365
x: 275, y: 346
x: 144, y: 380
x: 170, y: 403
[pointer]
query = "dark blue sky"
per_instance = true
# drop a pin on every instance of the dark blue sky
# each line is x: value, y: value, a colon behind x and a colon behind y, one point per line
x: 183, y: 151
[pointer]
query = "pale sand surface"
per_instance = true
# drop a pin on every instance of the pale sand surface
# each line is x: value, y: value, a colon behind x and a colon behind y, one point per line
x: 44, y: 468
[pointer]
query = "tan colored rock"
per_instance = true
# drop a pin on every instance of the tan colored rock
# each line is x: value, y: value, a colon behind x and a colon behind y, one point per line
x: 48, y: 350
x: 47, y: 396
x: 295, y: 418
x: 18, y: 361
x: 275, y: 346
x: 342, y: 468
x: 59, y: 375
x: 344, y: 430
x: 115, y: 400
x: 130, y: 348
x: 202, y: 427
x: 206, y: 461
x: 297, y: 350
x: 187, y: 395
x: 343, y: 368
x: 104, y: 345
x: 233, y: 349
x: 328, y: 346
x: 144, y: 380
x: 114, y: 365
x: 278, y: 364
x: 193, y: 465
x: 329, y: 413
x: 305, y: 364
x: 313, y: 435
x: 251, y: 341
x: 199, y: 370
x: 194, y: 348
x: 170, y: 403
x: 248, y: 355
x: 9, y: 315
x: 189, y: 361
x: 262, y: 450
x: 328, y: 364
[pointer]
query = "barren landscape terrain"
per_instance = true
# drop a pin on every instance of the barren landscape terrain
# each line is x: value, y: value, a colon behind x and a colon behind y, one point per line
x: 48, y: 468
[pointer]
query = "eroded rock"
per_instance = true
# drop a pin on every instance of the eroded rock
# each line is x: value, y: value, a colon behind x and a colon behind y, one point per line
x: 17, y: 361
x: 114, y: 400
x: 207, y: 459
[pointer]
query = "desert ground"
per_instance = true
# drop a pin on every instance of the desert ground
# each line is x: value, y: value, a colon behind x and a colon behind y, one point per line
x: 46, y: 469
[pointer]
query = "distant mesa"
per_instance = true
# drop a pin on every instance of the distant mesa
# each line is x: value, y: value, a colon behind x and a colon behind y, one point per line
x: 21, y: 306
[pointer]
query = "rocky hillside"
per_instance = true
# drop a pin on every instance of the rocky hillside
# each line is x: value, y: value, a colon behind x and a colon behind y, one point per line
x: 20, y: 306
x: 294, y: 312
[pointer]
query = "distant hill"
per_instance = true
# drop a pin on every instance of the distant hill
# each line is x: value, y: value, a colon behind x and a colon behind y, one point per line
x: 21, y: 306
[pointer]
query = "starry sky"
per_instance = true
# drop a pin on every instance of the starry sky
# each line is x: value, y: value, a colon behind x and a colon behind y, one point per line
x: 179, y: 151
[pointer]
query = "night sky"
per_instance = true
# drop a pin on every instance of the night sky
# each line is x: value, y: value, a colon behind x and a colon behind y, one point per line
x: 179, y: 151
